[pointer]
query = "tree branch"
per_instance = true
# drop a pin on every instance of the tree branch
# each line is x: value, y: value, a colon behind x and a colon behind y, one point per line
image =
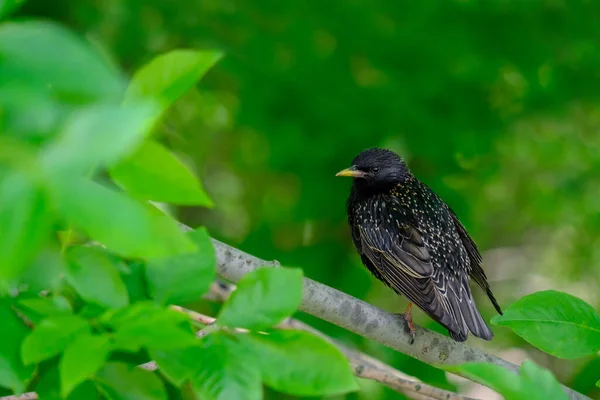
x: 365, y: 319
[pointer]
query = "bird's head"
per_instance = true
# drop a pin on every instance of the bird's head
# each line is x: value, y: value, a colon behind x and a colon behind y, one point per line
x: 377, y: 169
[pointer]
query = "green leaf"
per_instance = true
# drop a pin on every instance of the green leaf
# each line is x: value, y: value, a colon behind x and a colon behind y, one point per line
x: 36, y: 309
x: 9, y: 6
x: 598, y: 383
x: 225, y: 372
x: 13, y: 374
x: 134, y: 278
x: 178, y: 365
x: 52, y: 336
x: 24, y: 223
x: 122, y: 224
x: 152, y: 172
x: 302, y: 364
x: 43, y: 273
x: 33, y: 54
x: 49, y: 385
x: 100, y: 134
x: 120, y: 381
x: 81, y: 360
x: 148, y: 325
x: 170, y: 75
x: 95, y: 276
x: 183, y: 278
x: 263, y: 298
x: 533, y: 383
x: 555, y: 322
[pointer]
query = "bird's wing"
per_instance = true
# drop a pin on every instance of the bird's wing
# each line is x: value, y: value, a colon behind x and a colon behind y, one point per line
x: 477, y: 273
x: 391, y: 242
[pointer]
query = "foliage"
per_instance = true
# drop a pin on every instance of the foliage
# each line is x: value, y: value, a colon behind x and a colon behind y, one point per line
x: 117, y: 261
x: 493, y: 102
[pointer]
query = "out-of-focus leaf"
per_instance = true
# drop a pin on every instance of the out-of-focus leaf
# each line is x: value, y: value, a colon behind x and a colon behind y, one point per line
x: 225, y: 370
x: 51, y: 336
x: 179, y: 365
x: 263, y: 298
x: 302, y: 364
x: 533, y: 383
x: 95, y: 276
x: 122, y: 224
x: 25, y: 221
x: 98, y: 135
x: 557, y: 323
x: 46, y: 56
x: 186, y: 277
x: 170, y: 75
x: 120, y: 381
x: 9, y: 6
x: 13, y: 374
x: 134, y: 278
x: 36, y: 309
x: 81, y: 360
x: 137, y: 326
x: 43, y: 273
x: 153, y: 172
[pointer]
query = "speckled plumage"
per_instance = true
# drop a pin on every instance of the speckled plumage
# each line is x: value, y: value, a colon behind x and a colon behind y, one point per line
x: 411, y: 240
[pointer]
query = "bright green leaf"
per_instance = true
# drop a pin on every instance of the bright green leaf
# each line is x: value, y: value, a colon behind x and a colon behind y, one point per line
x: 43, y: 273
x: 100, y: 134
x: 148, y: 325
x: 94, y: 274
x: 122, y: 224
x: 178, y: 365
x: 81, y: 360
x: 36, y: 309
x: 186, y: 277
x: 25, y: 221
x: 13, y: 374
x: 120, y: 381
x: 533, y: 383
x: 225, y: 372
x: 263, y: 298
x: 51, y: 336
x: 152, y: 172
x: 557, y: 323
x: 170, y: 75
x: 33, y: 54
x: 302, y: 364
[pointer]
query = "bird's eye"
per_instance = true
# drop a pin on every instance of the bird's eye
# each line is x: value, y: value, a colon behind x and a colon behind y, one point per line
x: 375, y: 170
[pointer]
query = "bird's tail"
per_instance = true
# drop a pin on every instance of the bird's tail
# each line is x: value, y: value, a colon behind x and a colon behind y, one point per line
x: 468, y: 319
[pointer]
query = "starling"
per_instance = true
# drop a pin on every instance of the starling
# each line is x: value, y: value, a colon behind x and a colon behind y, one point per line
x: 412, y: 241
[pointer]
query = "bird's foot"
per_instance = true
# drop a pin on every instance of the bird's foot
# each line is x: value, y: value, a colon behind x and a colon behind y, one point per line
x: 407, y: 316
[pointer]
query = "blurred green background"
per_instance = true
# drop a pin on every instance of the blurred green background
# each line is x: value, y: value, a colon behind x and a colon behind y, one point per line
x: 495, y: 105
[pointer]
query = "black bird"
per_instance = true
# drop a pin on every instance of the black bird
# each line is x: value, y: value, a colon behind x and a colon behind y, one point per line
x: 412, y: 241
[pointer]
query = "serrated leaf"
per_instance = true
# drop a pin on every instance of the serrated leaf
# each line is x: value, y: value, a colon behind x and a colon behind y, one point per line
x: 555, y: 322
x: 263, y: 298
x: 186, y: 277
x: 95, y: 276
x: 81, y: 360
x: 170, y: 75
x: 225, y: 372
x: 51, y: 336
x: 533, y: 383
x: 153, y: 172
x: 98, y: 135
x: 120, y: 381
x: 148, y: 325
x: 25, y: 221
x: 13, y: 374
x: 302, y: 364
x: 124, y: 225
x: 33, y: 54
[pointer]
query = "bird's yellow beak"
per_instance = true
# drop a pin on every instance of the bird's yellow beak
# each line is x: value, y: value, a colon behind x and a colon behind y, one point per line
x: 351, y: 172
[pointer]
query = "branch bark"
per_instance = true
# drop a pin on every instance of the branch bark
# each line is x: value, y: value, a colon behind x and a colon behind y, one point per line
x: 365, y: 319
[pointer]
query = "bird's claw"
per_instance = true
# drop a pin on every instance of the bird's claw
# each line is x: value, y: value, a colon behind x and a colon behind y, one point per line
x: 410, y: 326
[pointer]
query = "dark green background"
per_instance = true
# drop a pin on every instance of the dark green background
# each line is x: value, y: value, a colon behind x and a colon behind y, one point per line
x: 494, y: 104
